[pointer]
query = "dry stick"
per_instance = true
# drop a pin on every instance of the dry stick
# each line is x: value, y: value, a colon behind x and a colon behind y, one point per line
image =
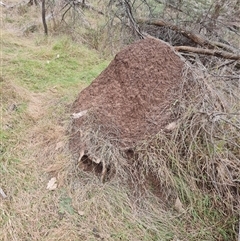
x: 133, y: 21
x: 197, y: 38
x: 217, y: 53
x: 226, y: 63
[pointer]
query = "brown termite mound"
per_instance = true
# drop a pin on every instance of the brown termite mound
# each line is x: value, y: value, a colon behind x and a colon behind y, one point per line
x: 130, y: 101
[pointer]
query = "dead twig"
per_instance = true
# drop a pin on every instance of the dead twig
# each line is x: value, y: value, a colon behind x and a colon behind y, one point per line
x: 226, y: 63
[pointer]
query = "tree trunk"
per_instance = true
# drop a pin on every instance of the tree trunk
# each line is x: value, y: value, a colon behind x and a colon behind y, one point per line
x: 44, y: 18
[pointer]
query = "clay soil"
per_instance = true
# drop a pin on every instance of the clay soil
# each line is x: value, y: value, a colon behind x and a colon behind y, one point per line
x: 134, y: 95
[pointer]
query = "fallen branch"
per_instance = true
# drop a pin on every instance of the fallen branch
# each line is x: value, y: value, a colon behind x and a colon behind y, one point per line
x: 217, y: 53
x: 196, y: 38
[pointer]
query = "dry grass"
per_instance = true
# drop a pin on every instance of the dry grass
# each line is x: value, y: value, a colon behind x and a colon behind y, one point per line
x: 199, y: 160
x: 204, y: 146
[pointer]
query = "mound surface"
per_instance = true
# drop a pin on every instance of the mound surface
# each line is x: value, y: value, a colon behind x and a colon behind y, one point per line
x: 133, y: 96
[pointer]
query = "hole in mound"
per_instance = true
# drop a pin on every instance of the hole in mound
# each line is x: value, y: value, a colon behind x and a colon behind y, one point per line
x: 87, y: 165
x: 130, y: 154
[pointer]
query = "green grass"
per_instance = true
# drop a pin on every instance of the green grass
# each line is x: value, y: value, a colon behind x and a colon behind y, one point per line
x: 58, y: 62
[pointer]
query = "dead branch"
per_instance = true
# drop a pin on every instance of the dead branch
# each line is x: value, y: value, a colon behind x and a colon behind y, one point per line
x: 196, y: 38
x: 217, y: 53
x: 69, y: 7
x: 134, y: 25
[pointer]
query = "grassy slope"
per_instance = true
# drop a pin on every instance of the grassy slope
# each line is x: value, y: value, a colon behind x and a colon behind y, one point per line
x: 40, y: 79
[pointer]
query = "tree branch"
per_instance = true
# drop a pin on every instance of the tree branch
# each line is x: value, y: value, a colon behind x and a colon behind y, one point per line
x: 217, y: 53
x: 196, y: 38
x: 133, y: 22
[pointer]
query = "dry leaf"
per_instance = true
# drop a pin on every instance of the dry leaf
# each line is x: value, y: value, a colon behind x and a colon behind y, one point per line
x: 52, y: 184
x: 2, y: 193
x: 178, y: 205
x: 79, y: 114
x: 171, y: 126
x: 81, y: 213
